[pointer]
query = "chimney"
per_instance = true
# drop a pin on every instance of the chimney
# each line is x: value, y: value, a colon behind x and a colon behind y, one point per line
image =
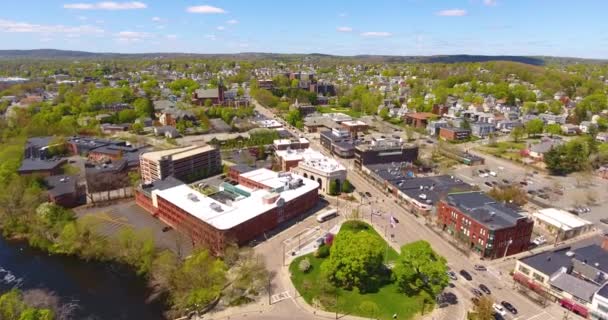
x: 605, y: 242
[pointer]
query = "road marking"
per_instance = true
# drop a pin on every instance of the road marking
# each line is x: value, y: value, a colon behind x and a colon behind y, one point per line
x: 280, y: 296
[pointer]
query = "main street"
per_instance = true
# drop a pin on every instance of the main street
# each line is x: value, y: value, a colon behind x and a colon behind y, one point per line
x: 410, y: 228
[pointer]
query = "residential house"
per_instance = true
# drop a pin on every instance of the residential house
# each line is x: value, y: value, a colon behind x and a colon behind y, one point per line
x: 587, y: 126
x: 570, y: 129
x: 537, y: 151
x: 215, y: 95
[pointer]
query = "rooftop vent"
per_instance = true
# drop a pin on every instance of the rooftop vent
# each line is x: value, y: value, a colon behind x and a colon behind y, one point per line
x: 570, y: 253
x: 216, y: 207
x: 192, y: 197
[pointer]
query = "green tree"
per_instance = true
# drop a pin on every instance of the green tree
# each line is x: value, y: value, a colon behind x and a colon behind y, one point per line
x: 553, y: 129
x: 198, y: 281
x: 293, y: 117
x: 180, y: 85
x: 346, y: 186
x: 384, y: 113
x: 127, y: 116
x: 570, y: 157
x: 135, y: 248
x: 333, y: 188
x: 58, y: 147
x: 355, y: 258
x: 143, y: 107
x: 534, y: 127
x: 419, y: 268
x: 484, y: 310
x: 517, y: 133
x: 137, y: 128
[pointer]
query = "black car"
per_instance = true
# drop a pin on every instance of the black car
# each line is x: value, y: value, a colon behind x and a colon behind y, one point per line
x: 509, y: 307
x: 368, y: 194
x: 505, y: 181
x: 476, y: 292
x: 485, y: 289
x: 605, y: 221
x: 487, y: 183
x: 466, y: 275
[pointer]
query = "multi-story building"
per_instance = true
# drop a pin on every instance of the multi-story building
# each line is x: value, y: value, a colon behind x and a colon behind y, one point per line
x: 574, y: 277
x: 385, y: 151
x: 261, y: 201
x: 338, y: 142
x: 187, y: 163
x: 313, y: 165
x: 489, y: 228
x: 296, y: 143
x: 454, y: 134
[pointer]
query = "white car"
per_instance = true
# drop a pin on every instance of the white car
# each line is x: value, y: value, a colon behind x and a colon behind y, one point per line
x: 539, y: 241
x: 493, y: 174
x: 499, y: 309
x: 483, y: 175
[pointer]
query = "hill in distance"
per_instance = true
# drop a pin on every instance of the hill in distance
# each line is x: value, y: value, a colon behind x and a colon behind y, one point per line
x: 53, y: 54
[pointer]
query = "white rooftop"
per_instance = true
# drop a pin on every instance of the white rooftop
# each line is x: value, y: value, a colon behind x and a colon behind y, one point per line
x: 279, y: 142
x: 270, y: 123
x: 224, y: 217
x: 312, y: 159
x: 354, y: 123
x: 560, y: 219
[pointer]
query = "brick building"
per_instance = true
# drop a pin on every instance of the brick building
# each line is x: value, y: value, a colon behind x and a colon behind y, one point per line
x: 295, y: 143
x: 261, y: 201
x: 486, y: 226
x: 454, y: 134
x: 185, y: 163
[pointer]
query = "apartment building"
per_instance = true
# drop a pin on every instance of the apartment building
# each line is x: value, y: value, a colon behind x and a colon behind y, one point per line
x: 187, y: 163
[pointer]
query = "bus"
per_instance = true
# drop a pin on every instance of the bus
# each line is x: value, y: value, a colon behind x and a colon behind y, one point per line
x: 322, y: 217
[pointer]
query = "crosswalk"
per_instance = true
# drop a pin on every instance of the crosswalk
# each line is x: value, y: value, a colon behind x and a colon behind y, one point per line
x: 279, y: 297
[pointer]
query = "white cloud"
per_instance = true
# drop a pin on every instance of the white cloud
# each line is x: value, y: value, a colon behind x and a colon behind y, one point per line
x: 342, y: 14
x: 232, y: 21
x: 171, y: 36
x: 221, y: 28
x: 131, y: 36
x: 82, y: 18
x: 244, y: 45
x: 344, y: 29
x: 24, y: 27
x: 106, y: 5
x: 210, y: 36
x: 489, y: 2
x: 452, y: 13
x: 157, y: 19
x: 376, y: 34
x: 205, y: 9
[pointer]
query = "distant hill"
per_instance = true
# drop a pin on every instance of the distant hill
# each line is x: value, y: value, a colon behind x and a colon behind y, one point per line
x: 67, y: 54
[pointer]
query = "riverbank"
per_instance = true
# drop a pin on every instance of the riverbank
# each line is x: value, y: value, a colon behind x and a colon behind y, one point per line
x: 86, y: 290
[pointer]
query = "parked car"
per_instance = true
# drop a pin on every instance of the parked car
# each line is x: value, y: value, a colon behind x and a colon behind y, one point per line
x: 487, y: 183
x: 466, y: 275
x: 479, y: 267
x: 505, y: 181
x: 368, y: 194
x: 523, y: 183
x: 499, y: 309
x: 493, y: 174
x: 485, y: 289
x: 604, y: 220
x: 452, y: 275
x: 476, y: 292
x: 509, y: 307
x: 539, y: 240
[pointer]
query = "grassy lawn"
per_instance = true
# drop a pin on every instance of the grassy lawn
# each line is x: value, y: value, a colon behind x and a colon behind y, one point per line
x: 388, y: 299
x: 504, y: 149
x: 348, y: 111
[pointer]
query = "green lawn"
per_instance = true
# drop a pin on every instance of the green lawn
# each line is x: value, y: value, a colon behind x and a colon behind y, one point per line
x: 504, y: 149
x: 348, y: 111
x: 387, y: 299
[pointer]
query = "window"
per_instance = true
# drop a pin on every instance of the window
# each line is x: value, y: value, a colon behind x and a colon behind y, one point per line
x: 538, y: 277
x: 524, y: 270
x: 602, y: 308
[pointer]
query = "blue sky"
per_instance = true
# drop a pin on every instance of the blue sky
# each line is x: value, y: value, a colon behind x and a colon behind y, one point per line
x: 394, y: 27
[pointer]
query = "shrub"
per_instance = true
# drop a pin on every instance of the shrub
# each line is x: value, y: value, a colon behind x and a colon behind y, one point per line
x: 304, y: 265
x: 322, y: 251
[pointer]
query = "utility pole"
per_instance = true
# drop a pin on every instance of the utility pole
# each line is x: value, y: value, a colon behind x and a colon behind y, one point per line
x: 507, y: 248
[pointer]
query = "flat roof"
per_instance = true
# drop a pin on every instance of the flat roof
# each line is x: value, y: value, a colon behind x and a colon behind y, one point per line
x: 354, y: 123
x: 311, y: 159
x: 29, y: 164
x: 549, y: 262
x: 266, y: 177
x: 575, y: 286
x: 485, y: 210
x: 560, y: 219
x: 226, y: 216
x: 60, y: 185
x: 176, y: 153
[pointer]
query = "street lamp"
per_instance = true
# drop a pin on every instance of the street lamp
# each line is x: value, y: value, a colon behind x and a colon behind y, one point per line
x: 507, y: 248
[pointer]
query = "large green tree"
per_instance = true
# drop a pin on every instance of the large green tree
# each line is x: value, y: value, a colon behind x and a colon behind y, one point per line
x: 517, y: 133
x: 419, y: 268
x: 534, y: 127
x: 355, y: 257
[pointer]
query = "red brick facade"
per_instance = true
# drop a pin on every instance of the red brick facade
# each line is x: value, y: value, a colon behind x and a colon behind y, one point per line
x: 199, y: 232
x: 477, y: 236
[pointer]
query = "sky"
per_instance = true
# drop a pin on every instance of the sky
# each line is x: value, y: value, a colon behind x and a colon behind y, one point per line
x: 570, y: 28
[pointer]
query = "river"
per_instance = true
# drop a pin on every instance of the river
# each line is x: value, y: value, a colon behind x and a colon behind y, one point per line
x: 92, y: 291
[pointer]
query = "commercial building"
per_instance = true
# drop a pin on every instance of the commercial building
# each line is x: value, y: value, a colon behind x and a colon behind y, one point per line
x: 261, y: 201
x: 187, y: 163
x: 384, y: 151
x: 215, y: 95
x: 454, y: 134
x: 65, y: 191
x: 43, y: 167
x: 561, y: 223
x: 599, y: 304
x: 296, y: 143
x: 313, y: 165
x: 486, y: 226
x: 338, y: 142
x: 355, y: 126
x: 574, y: 277
x: 419, y: 119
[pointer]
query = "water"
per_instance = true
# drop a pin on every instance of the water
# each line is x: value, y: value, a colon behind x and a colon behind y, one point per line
x: 92, y: 291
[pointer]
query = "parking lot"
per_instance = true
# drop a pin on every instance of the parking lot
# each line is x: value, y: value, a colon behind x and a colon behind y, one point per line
x: 127, y: 214
x: 584, y: 195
